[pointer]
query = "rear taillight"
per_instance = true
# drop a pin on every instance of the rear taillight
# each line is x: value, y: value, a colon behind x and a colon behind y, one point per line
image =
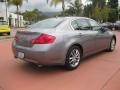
x: 43, y: 39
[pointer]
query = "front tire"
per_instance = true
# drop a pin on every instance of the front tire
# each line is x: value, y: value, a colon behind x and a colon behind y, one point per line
x: 73, y: 58
x: 112, y: 45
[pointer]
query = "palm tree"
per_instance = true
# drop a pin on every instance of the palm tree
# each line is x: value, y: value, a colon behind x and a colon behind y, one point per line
x: 18, y: 4
x: 5, y: 1
x: 55, y: 2
x: 99, y: 3
x: 76, y: 7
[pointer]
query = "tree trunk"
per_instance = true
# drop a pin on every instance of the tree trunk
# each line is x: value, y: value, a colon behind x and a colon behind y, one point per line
x: 63, y: 7
x: 17, y: 16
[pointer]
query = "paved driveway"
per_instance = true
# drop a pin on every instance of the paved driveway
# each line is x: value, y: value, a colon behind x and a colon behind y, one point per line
x: 98, y: 72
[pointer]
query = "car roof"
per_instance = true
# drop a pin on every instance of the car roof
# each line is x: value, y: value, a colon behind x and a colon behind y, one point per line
x: 71, y: 18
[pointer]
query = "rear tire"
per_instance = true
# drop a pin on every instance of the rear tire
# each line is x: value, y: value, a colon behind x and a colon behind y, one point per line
x: 73, y: 58
x: 1, y: 34
x: 8, y: 33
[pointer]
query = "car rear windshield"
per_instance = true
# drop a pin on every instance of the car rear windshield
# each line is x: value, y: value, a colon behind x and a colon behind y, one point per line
x: 48, y: 23
x: 3, y: 23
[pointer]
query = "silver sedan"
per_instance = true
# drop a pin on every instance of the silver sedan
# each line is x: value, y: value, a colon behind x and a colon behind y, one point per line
x: 62, y: 41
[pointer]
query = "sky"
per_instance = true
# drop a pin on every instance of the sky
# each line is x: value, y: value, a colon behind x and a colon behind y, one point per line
x: 39, y: 4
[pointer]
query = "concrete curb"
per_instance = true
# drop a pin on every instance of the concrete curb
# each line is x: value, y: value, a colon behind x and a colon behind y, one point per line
x: 6, y: 37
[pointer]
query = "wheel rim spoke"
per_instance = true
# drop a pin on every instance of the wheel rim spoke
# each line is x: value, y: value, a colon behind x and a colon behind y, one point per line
x: 74, y: 58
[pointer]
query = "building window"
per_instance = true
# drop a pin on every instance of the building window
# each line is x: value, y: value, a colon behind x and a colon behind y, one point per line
x: 1, y: 18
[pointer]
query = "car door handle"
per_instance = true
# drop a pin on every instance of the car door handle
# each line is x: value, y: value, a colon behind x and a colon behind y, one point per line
x: 99, y: 34
x: 79, y: 35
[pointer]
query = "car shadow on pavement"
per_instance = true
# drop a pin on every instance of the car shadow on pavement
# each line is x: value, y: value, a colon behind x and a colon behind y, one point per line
x: 1, y: 88
x: 32, y: 68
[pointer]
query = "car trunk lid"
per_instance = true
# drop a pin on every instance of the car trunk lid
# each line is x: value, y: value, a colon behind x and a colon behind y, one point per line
x: 23, y: 38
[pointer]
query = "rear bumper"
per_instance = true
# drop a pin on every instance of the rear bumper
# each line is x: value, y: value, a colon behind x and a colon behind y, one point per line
x: 39, y: 57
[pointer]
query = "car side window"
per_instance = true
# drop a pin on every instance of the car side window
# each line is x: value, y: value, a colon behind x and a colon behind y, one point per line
x: 83, y: 24
x: 95, y: 26
x: 80, y: 24
x: 75, y: 25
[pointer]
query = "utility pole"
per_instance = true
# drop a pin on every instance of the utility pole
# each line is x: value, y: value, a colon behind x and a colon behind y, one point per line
x: 5, y: 1
x: 6, y: 10
x: 118, y: 11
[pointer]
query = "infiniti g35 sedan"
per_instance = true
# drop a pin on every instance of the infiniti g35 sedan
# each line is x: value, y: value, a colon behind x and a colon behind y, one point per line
x: 62, y: 41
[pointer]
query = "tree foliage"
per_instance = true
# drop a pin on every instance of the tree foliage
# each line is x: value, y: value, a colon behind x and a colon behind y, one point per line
x: 113, y: 3
x: 76, y: 8
x: 96, y: 14
x: 56, y: 2
x: 102, y: 10
x: 99, y: 3
x: 18, y: 4
x: 101, y: 14
x: 87, y: 10
x: 33, y: 16
x: 113, y: 16
x: 105, y: 13
x: 15, y: 2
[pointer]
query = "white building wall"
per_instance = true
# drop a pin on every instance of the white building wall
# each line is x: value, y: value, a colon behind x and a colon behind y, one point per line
x: 3, y: 15
x: 13, y: 17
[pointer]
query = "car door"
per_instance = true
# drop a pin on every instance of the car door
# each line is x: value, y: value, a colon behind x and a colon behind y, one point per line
x: 86, y: 36
x: 102, y: 37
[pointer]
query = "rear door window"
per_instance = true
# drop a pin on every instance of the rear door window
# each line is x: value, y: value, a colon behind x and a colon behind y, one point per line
x: 75, y: 25
x: 81, y: 24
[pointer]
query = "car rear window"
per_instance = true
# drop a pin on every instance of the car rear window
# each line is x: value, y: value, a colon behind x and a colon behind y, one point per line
x: 48, y: 23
